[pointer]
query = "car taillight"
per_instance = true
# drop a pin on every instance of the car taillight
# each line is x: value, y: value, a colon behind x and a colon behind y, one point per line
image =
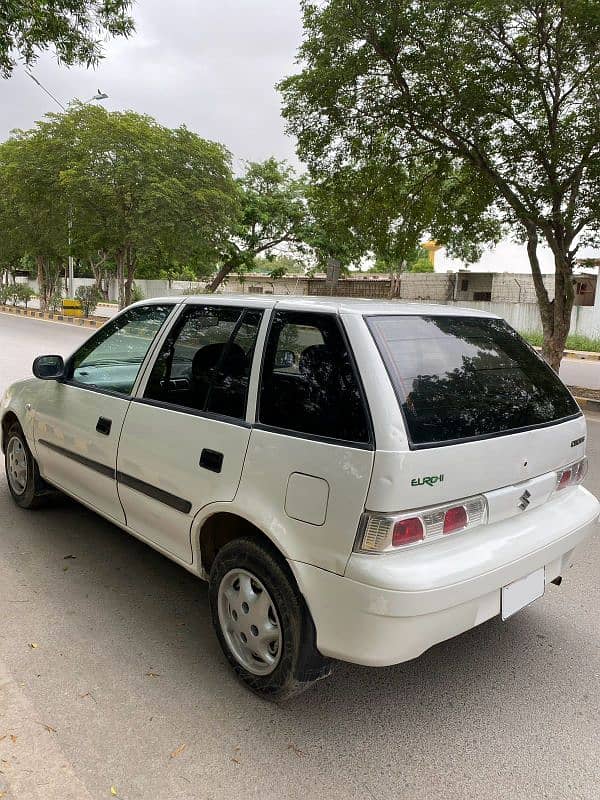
x: 455, y: 519
x: 380, y: 533
x: 407, y: 531
x: 571, y: 475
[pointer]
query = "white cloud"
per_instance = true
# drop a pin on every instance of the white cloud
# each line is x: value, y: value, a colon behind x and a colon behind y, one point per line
x: 212, y: 66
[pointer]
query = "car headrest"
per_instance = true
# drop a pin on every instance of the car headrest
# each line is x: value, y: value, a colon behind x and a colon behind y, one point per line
x: 234, y: 361
x: 317, y: 362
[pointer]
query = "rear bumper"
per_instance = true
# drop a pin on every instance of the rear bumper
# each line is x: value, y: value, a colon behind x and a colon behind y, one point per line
x: 390, y: 608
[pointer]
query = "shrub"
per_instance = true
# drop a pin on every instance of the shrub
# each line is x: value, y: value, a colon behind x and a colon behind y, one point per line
x: 5, y: 292
x: 89, y: 297
x: 575, y: 341
x: 25, y: 293
x: 136, y: 294
x: 55, y: 301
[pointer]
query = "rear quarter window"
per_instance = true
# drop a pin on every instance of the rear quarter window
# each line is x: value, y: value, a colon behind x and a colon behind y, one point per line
x: 460, y: 378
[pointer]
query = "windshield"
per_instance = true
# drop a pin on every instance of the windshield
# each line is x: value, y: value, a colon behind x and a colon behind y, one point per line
x: 460, y: 378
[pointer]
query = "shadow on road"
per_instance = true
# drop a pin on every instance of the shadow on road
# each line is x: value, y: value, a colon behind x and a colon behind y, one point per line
x: 138, y: 627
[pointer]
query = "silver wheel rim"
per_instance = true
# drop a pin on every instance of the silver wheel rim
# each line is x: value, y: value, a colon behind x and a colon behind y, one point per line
x: 249, y: 622
x: 16, y: 465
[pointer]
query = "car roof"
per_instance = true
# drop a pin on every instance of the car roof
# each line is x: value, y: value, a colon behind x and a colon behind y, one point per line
x: 335, y: 305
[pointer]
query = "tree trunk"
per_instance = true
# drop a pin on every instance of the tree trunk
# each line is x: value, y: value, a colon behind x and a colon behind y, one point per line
x: 39, y: 262
x: 120, y: 259
x: 222, y: 273
x: 555, y: 314
x: 100, y: 274
x: 130, y: 264
x: 395, y: 285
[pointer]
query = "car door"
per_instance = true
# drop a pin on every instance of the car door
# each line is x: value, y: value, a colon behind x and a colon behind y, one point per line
x: 185, y: 437
x: 79, y: 419
x: 310, y: 457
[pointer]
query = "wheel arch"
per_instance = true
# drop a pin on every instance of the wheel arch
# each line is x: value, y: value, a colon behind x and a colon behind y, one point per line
x: 223, y: 526
x: 8, y: 420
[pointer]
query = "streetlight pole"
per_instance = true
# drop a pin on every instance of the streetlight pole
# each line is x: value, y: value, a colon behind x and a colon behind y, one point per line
x: 96, y: 98
x: 71, y: 280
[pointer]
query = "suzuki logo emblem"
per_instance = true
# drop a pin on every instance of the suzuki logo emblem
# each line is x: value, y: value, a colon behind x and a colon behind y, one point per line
x: 524, y: 500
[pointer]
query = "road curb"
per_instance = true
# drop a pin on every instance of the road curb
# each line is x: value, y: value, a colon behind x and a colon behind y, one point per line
x: 588, y: 403
x: 51, y: 316
x: 33, y: 765
x: 582, y: 355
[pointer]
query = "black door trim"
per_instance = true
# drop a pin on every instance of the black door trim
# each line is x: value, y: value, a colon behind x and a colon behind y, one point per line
x: 178, y: 503
x: 109, y: 472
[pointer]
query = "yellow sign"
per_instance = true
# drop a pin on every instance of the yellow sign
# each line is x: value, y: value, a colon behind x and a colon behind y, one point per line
x: 72, y: 308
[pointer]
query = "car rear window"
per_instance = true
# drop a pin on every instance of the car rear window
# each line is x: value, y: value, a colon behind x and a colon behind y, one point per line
x: 460, y: 378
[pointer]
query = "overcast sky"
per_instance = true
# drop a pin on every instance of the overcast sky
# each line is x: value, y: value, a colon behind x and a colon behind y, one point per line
x: 211, y: 65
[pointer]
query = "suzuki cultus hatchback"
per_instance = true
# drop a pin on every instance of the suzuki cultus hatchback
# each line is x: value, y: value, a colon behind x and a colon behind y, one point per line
x: 356, y: 480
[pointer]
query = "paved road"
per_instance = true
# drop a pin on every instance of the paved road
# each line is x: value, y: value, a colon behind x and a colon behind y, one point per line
x: 576, y: 372
x: 127, y: 670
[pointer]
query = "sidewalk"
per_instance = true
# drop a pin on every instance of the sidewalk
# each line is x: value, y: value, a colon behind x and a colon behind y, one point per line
x: 19, y: 311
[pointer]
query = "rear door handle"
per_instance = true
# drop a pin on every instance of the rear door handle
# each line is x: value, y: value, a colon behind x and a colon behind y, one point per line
x: 103, y: 425
x: 211, y: 459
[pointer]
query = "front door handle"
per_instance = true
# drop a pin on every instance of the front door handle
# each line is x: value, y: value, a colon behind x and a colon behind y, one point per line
x: 103, y: 425
x: 211, y: 459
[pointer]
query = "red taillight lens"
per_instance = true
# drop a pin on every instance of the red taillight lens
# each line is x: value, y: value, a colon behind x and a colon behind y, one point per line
x: 565, y: 479
x: 383, y: 533
x: 407, y: 531
x: 571, y: 475
x: 455, y: 519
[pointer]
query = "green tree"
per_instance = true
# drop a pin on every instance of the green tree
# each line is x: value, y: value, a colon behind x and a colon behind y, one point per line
x: 273, y: 213
x: 417, y: 261
x: 132, y: 189
x: 505, y: 92
x: 33, y: 212
x: 75, y: 29
x: 89, y: 297
x: 277, y: 265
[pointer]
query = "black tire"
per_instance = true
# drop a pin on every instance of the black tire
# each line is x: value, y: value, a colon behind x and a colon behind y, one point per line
x: 36, y: 490
x: 299, y: 664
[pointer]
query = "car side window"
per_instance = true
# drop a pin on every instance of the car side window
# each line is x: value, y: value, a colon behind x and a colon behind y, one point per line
x: 308, y: 381
x: 204, y: 365
x: 111, y: 359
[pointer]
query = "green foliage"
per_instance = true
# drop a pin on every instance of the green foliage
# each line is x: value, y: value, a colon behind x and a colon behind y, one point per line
x: 422, y: 264
x: 277, y: 266
x: 133, y: 190
x: 178, y: 273
x: 89, y: 297
x: 25, y: 293
x: 16, y: 293
x: 75, y: 29
x: 277, y: 272
x: 495, y: 103
x: 136, y: 294
x: 575, y: 341
x: 417, y: 261
x: 55, y: 301
x: 273, y: 213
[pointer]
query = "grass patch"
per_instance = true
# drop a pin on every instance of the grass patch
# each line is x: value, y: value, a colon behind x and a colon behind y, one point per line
x: 575, y: 341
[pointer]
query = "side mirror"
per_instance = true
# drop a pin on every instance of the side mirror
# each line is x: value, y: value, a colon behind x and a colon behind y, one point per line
x: 284, y: 359
x: 49, y: 368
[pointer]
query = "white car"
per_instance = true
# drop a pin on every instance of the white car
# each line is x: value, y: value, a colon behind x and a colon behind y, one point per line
x: 356, y: 480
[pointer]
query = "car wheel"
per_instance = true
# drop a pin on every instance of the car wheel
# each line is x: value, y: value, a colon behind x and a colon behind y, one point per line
x: 262, y: 622
x: 26, y: 486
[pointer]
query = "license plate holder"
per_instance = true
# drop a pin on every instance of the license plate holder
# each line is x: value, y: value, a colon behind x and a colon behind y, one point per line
x: 522, y: 592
